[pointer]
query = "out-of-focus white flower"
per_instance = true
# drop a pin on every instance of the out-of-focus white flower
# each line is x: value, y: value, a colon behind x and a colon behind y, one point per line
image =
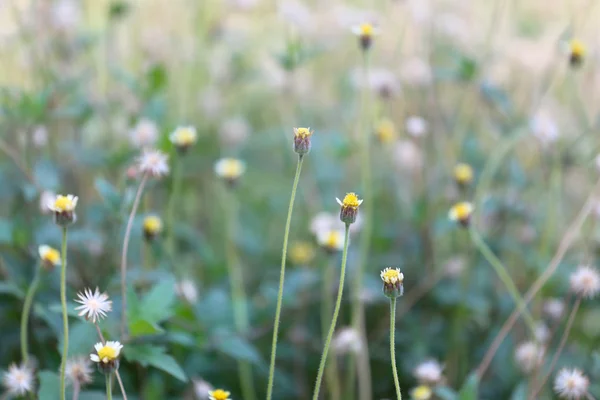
x: 201, y: 389
x: 455, y: 266
x: 46, y: 200
x: 429, y: 372
x: 332, y: 240
x: 187, y: 290
x: 153, y: 163
x: 230, y: 169
x: 407, y: 155
x: 419, y: 10
x: 94, y: 305
x: 79, y: 369
x: 211, y: 101
x: 66, y: 14
x: 544, y: 128
x: 39, y: 137
x: 234, y: 131
x: 585, y: 281
x: 416, y: 126
x: 529, y: 355
x: 542, y: 333
x: 454, y: 27
x: 382, y: 81
x: 554, y: 308
x: 144, y: 133
x: 571, y: 384
x: 296, y: 14
x: 346, y: 340
x: 415, y: 72
x: 18, y: 380
x: 326, y: 222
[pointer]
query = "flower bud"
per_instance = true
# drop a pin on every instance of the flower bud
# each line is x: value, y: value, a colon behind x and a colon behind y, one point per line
x: 349, y: 209
x: 461, y: 212
x: 152, y: 227
x: 302, y: 140
x: 393, y: 282
x: 63, y: 208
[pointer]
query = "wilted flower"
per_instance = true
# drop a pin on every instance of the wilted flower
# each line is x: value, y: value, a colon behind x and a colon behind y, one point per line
x: 416, y: 126
x: 349, y: 208
x: 463, y: 174
x: 230, y: 169
x: 571, y: 384
x: 554, y: 308
x: 393, y: 282
x: 187, y: 290
x: 331, y: 240
x: 529, y: 355
x: 153, y: 163
x: 385, y: 131
x: 365, y: 33
x: 422, y: 392
x: 461, y: 212
x: 152, y: 226
x: 302, y: 140
x: 50, y: 257
x: 346, y: 340
x: 79, y: 369
x: 302, y: 253
x: 577, y: 52
x: 64, y: 209
x: 144, y: 133
x: 201, y: 389
x: 107, y: 355
x: 18, y: 380
x: 585, y: 281
x: 183, y: 138
x: 94, y: 305
x: 219, y: 394
x: 429, y: 372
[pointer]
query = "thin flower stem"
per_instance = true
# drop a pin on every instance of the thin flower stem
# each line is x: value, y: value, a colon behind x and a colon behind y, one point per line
x: 118, y: 376
x: 504, y: 276
x: 170, y: 220
x: 136, y: 203
x: 393, y: 345
x: 238, y: 294
x: 76, y: 389
x: 563, y: 341
x: 332, y: 376
x: 109, y: 386
x: 336, y: 312
x: 286, y: 234
x: 65, y: 316
x: 26, y: 312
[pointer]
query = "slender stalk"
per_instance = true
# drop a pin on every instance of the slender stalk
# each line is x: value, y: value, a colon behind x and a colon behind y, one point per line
x: 76, y: 389
x: 332, y: 376
x: 336, y: 312
x: 286, y: 234
x: 393, y: 345
x: 136, y: 203
x: 563, y: 341
x: 65, y: 317
x: 26, y: 311
x: 170, y: 218
x: 109, y: 386
x: 238, y: 295
x: 117, y: 374
x: 504, y: 276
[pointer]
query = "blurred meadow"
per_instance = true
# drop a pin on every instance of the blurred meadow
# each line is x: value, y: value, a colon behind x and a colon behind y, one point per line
x: 468, y: 128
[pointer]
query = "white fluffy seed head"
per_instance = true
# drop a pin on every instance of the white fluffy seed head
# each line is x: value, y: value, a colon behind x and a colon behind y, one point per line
x: 429, y: 372
x: 571, y: 384
x: 529, y: 355
x: 585, y: 281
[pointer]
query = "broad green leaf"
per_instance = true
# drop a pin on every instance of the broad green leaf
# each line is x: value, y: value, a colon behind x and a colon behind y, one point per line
x: 520, y: 392
x: 470, y: 388
x: 445, y: 393
x: 82, y: 338
x: 6, y: 231
x: 141, y: 327
x: 108, y: 192
x: 237, y: 347
x: 12, y: 289
x: 157, y: 305
x: 149, y: 355
x: 49, y: 385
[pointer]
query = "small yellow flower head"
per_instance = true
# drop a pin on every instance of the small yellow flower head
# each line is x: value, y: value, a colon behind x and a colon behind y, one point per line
x: 64, y: 209
x: 50, y: 257
x: 421, y: 392
x: 183, y: 138
x: 393, y: 282
x: 365, y: 33
x: 153, y: 226
x: 302, y: 253
x: 219, y: 394
x: 463, y: 174
x: 107, y: 356
x: 331, y: 240
x: 302, y: 140
x: 386, y: 131
x: 577, y: 52
x: 349, y: 209
x: 230, y: 169
x: 461, y: 212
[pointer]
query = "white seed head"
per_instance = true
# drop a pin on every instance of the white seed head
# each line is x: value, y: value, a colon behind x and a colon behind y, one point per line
x: 585, y: 281
x: 346, y: 340
x: 144, y: 134
x: 154, y: 163
x: 429, y: 372
x: 571, y: 384
x: 554, y: 308
x: 94, y: 305
x: 529, y: 355
x: 18, y: 380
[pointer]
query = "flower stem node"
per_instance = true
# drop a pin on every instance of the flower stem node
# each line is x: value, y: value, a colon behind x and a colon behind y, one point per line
x: 393, y: 282
x: 349, y: 209
x: 577, y: 52
x: 302, y: 140
x: 183, y: 138
x: 461, y: 212
x: 107, y: 356
x: 153, y: 226
x: 63, y: 208
x: 365, y: 33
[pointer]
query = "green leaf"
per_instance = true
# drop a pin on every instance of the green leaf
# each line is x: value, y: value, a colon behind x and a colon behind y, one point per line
x: 445, y: 393
x: 6, y: 231
x: 520, y: 392
x: 470, y: 388
x: 236, y: 347
x: 141, y: 327
x: 49, y: 386
x: 108, y: 192
x: 157, y: 305
x: 11, y: 288
x: 149, y: 355
x: 82, y: 338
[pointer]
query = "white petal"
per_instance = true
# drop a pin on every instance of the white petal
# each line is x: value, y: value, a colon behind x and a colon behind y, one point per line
x: 339, y: 202
x: 94, y: 358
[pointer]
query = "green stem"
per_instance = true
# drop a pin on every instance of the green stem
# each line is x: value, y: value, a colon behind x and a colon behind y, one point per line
x: 109, y: 386
x: 282, y: 278
x: 336, y: 312
x: 238, y: 296
x: 170, y: 220
x: 26, y: 311
x: 393, y: 345
x: 504, y: 277
x: 65, y: 317
x: 332, y: 376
